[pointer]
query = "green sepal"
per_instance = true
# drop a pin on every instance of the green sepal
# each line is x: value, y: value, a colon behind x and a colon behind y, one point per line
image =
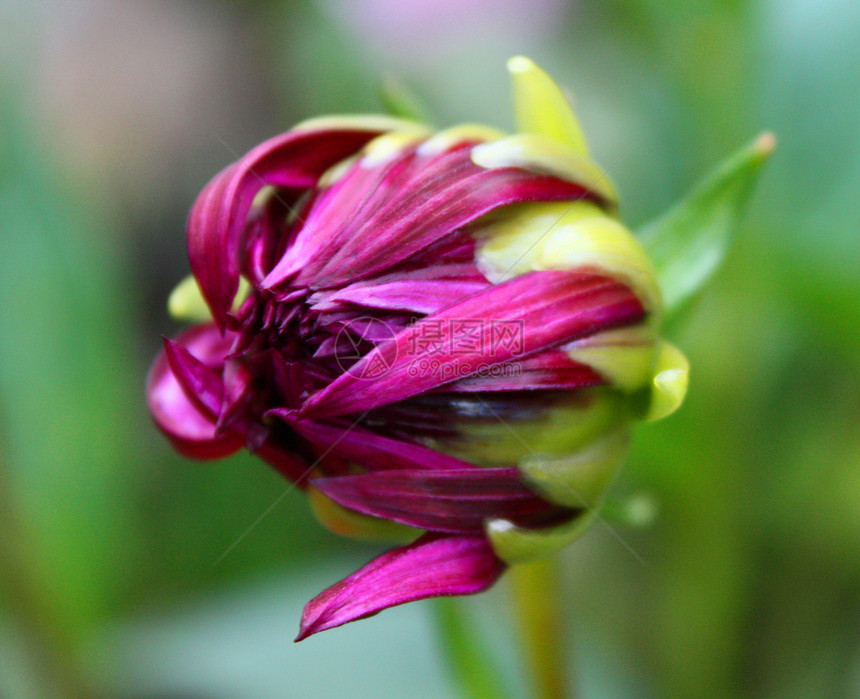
x: 579, y: 479
x: 565, y: 427
x: 688, y: 243
x: 515, y: 544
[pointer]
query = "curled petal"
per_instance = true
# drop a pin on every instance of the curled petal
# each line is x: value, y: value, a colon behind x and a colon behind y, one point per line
x: 294, y: 160
x: 669, y: 384
x: 434, y: 566
x: 185, y: 416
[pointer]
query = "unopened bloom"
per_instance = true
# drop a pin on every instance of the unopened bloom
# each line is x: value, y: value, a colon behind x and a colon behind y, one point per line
x: 442, y: 337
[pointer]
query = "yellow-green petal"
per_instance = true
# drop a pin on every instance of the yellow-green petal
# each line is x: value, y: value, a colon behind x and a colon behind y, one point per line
x: 564, y: 236
x: 669, y: 384
x: 515, y: 544
x: 358, y: 122
x: 623, y: 356
x: 448, y: 138
x: 564, y: 427
x: 541, y: 108
x: 388, y: 146
x: 186, y: 303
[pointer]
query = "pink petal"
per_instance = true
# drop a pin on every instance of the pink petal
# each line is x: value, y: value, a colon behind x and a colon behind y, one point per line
x: 513, y: 320
x: 433, y: 566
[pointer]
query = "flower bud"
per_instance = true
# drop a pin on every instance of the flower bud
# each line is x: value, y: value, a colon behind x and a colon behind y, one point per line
x: 442, y: 337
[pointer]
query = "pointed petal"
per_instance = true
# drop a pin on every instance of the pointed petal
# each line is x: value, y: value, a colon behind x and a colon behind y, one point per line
x: 434, y: 566
x: 292, y: 160
x: 446, y: 501
x: 541, y: 108
x: 201, y: 385
x: 516, y: 319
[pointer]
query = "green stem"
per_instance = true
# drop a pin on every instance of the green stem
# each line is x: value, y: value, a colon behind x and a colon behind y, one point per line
x: 536, y: 590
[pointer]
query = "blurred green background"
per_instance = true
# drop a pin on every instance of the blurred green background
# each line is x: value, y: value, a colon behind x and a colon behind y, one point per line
x: 113, y: 116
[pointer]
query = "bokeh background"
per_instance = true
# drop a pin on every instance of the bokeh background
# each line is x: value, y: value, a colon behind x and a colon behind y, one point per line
x: 113, y: 574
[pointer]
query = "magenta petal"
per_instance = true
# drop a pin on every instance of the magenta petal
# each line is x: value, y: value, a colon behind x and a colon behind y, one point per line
x: 187, y: 423
x: 550, y: 369
x: 433, y: 566
x: 202, y: 386
x: 368, y: 449
x: 420, y: 297
x: 446, y: 501
x: 376, y: 217
x: 292, y: 160
x: 513, y: 320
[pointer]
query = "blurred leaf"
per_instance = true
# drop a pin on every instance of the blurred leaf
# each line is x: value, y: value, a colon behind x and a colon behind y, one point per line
x: 401, y: 101
x: 688, y: 243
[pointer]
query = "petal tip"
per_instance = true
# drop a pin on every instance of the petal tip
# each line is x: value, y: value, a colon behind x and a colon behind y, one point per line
x: 520, y: 64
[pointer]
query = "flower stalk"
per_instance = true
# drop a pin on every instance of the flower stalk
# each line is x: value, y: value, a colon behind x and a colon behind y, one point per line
x: 536, y: 591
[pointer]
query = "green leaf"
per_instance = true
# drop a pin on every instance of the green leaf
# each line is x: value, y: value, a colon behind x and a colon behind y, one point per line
x: 688, y: 243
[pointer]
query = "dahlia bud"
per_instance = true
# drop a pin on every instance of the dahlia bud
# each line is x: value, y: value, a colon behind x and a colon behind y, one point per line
x: 443, y: 338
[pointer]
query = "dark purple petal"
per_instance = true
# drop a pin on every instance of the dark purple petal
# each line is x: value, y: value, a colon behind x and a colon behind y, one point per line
x: 285, y: 462
x: 294, y: 160
x: 433, y: 566
x: 368, y: 449
x: 445, y: 501
x: 513, y: 320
